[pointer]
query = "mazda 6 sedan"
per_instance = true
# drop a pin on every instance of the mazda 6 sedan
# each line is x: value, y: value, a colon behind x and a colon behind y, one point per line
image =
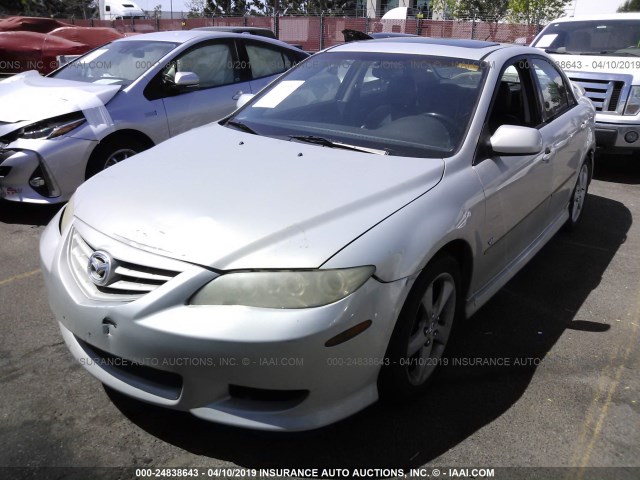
x: 293, y: 263
x: 121, y: 99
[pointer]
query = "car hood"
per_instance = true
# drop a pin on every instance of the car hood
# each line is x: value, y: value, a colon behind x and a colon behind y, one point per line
x: 28, y: 97
x: 226, y: 199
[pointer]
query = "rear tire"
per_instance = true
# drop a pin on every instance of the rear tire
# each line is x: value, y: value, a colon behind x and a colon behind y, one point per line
x: 579, y: 196
x: 422, y: 331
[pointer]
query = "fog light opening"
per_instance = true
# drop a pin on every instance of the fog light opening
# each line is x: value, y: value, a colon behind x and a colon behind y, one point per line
x: 348, y: 334
x: 631, y: 137
x: 37, y: 182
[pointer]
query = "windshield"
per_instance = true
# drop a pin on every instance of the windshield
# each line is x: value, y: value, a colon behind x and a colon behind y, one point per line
x: 593, y: 37
x: 117, y: 63
x: 408, y: 105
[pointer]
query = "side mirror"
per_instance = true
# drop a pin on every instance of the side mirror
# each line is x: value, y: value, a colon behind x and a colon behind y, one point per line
x: 244, y: 98
x: 516, y: 140
x: 186, y: 79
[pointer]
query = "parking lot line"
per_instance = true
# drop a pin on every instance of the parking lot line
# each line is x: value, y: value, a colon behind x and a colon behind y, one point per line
x: 20, y: 276
x: 620, y: 360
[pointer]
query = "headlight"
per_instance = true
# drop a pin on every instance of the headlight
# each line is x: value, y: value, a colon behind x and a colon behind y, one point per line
x: 633, y: 103
x: 53, y: 127
x: 283, y: 289
x: 67, y: 215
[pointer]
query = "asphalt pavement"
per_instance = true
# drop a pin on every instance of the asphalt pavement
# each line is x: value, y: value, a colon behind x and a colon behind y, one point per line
x: 545, y: 375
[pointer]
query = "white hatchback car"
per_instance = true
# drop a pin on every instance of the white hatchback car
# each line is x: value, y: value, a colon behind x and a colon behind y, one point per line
x: 121, y: 99
x: 284, y: 268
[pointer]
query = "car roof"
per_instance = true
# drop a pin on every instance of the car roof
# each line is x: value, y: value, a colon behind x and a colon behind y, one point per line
x: 472, y: 49
x: 254, y: 30
x: 184, y: 36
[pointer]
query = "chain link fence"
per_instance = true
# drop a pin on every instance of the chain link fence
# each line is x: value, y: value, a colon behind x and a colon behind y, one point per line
x: 314, y: 33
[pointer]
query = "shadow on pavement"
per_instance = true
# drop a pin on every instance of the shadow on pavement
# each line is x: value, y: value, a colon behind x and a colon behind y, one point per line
x: 618, y: 168
x: 26, y: 213
x: 519, y: 326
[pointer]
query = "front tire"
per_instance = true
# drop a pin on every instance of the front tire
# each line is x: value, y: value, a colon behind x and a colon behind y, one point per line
x: 110, y: 152
x: 423, y: 330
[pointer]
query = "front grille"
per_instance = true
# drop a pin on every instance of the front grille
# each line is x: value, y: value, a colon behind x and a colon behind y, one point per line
x: 131, y: 281
x: 607, y: 92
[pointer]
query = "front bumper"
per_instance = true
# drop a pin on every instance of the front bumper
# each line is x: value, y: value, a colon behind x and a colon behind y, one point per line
x: 250, y: 367
x: 58, y: 166
x: 615, y: 136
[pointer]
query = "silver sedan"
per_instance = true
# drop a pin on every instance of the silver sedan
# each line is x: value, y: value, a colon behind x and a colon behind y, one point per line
x: 121, y: 99
x: 351, y: 214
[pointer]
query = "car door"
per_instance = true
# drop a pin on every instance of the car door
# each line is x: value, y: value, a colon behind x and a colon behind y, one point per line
x: 221, y: 82
x: 563, y: 130
x: 266, y: 61
x: 516, y: 187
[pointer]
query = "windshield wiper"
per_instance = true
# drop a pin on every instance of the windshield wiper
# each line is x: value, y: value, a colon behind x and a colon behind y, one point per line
x: 565, y: 52
x: 325, y: 142
x: 619, y: 53
x: 241, y: 126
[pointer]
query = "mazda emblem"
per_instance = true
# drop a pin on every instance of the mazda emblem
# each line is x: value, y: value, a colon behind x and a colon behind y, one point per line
x: 100, y: 267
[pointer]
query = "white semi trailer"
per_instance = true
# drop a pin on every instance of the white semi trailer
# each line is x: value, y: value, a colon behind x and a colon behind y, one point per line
x: 120, y: 9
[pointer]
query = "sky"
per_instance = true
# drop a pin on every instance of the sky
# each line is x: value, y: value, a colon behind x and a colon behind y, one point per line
x: 576, y: 7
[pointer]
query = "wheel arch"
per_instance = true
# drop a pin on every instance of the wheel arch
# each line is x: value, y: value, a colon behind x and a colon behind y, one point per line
x: 122, y: 136
x: 462, y: 253
x: 590, y: 157
x: 127, y: 134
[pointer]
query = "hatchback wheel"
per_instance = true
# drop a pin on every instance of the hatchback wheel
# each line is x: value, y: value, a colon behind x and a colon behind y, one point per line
x: 110, y: 152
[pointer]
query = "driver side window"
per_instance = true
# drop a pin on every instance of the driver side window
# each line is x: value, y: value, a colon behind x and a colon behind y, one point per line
x: 213, y: 64
x: 510, y: 102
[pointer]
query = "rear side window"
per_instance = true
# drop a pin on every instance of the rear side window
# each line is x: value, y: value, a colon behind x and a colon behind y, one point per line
x: 554, y: 92
x: 266, y: 61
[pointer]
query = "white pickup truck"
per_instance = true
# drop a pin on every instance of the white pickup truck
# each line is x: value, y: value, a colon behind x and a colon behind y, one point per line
x: 602, y: 54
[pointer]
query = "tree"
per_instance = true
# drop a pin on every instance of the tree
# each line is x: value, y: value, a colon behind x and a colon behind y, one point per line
x: 535, y: 12
x: 79, y: 8
x: 443, y: 8
x: 157, y: 12
x: 486, y: 10
x: 630, y: 6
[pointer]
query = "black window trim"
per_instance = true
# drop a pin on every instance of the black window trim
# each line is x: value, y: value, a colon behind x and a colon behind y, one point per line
x: 154, y: 91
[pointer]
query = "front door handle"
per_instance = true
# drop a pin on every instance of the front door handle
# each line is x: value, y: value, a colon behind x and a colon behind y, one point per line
x: 236, y: 96
x: 548, y: 154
